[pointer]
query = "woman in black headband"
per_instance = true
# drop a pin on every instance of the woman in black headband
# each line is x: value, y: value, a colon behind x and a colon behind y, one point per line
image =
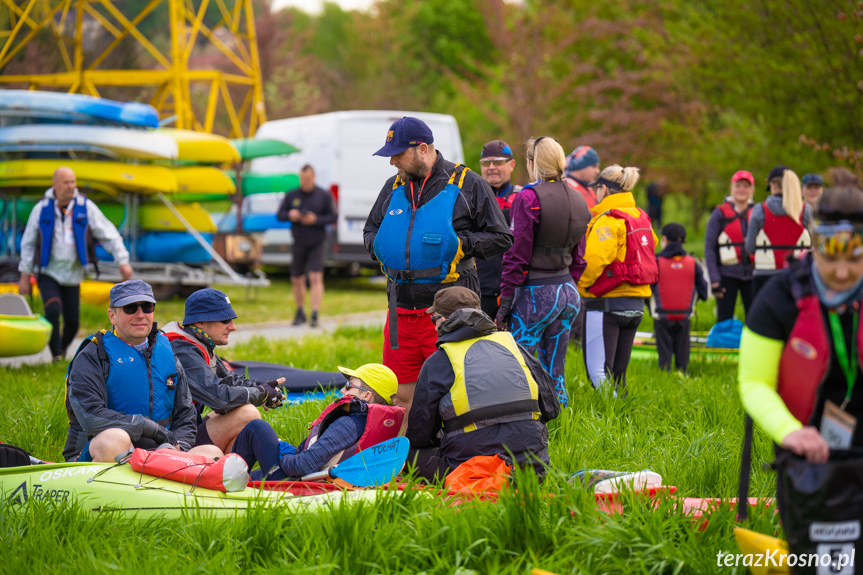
x: 620, y: 268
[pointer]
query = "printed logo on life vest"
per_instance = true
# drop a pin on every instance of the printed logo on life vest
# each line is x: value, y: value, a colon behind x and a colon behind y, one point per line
x: 129, y: 359
x: 396, y: 212
x: 803, y: 348
x: 644, y: 240
x: 389, y: 136
x: 20, y: 495
x: 389, y: 422
x: 676, y: 265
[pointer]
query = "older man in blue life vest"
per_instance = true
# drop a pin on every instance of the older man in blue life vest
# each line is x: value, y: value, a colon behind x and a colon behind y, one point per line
x: 480, y: 393
x: 426, y: 227
x: 208, y: 322
x: 58, y: 245
x: 125, y: 388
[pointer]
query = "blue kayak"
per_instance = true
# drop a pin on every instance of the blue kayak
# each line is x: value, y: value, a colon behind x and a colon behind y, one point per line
x: 73, y: 108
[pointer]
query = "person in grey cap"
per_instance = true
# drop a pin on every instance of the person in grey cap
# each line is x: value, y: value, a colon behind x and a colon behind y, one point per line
x: 426, y: 227
x: 125, y: 388
x: 813, y: 187
x: 207, y: 323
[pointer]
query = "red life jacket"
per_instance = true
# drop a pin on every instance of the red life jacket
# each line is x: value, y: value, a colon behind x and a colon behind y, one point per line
x: 639, y: 264
x: 588, y: 193
x: 674, y: 295
x: 505, y: 201
x: 806, y: 359
x: 383, y: 422
x: 780, y: 235
x: 732, y: 239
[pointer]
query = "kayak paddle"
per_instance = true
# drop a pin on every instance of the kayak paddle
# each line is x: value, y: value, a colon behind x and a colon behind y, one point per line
x: 371, y: 467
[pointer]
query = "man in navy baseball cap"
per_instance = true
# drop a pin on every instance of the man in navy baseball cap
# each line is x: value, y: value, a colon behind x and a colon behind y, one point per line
x: 207, y: 323
x: 425, y: 228
x: 405, y: 133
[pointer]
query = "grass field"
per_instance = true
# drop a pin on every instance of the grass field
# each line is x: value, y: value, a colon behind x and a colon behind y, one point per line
x: 687, y: 428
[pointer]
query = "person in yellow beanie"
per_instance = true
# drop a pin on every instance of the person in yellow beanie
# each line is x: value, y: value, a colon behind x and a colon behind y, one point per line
x: 362, y: 417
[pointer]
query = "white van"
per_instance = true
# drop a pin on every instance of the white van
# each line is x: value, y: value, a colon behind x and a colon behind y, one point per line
x: 339, y: 146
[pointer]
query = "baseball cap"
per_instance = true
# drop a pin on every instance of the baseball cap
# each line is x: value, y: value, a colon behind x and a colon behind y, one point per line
x: 378, y: 377
x: 674, y: 232
x: 130, y: 291
x: 496, y: 149
x: 447, y: 300
x: 776, y: 172
x: 743, y: 175
x: 208, y: 304
x: 580, y: 158
x: 812, y: 179
x: 405, y: 133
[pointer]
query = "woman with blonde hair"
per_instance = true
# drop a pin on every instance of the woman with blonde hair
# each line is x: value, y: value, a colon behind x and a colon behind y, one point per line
x: 621, y: 265
x: 538, y: 297
x: 778, y: 227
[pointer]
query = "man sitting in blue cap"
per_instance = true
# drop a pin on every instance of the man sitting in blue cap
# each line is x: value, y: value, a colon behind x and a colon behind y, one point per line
x: 125, y: 388
x: 208, y: 321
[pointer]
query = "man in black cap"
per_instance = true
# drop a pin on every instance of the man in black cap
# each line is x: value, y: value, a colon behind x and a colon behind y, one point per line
x: 125, y: 388
x: 496, y: 166
x: 208, y: 322
x: 511, y: 396
x: 681, y: 282
x: 426, y: 227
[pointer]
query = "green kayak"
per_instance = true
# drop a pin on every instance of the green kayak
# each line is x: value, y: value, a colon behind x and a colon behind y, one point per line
x: 255, y: 183
x: 251, y: 148
x: 118, y: 488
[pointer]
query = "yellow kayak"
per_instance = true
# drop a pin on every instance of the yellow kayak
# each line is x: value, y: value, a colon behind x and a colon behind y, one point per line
x: 95, y: 292
x: 202, y: 148
x: 138, y: 178
x: 157, y: 217
x: 203, y: 180
x: 23, y: 334
x: 760, y: 545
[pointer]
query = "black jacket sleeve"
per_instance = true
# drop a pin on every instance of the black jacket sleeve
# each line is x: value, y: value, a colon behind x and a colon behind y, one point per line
x: 488, y: 234
x: 700, y: 283
x: 435, y: 380
x: 376, y: 216
x: 285, y: 207
x: 328, y: 215
x: 711, y: 249
x: 220, y: 394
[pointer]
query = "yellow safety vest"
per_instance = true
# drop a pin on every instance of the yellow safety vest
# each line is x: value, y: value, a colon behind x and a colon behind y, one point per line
x: 492, y: 385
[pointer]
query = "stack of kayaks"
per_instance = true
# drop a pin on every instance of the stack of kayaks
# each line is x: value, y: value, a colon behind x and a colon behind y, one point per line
x: 644, y: 348
x: 115, y: 148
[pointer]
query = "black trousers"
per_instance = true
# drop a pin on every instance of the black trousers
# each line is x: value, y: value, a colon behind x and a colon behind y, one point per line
x: 429, y: 464
x: 725, y: 305
x: 60, y: 300
x: 672, y: 339
x: 607, y: 347
x: 488, y: 303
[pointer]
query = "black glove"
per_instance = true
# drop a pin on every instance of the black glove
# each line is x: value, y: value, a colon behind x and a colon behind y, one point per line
x: 274, y: 395
x: 502, y: 318
x: 158, y: 433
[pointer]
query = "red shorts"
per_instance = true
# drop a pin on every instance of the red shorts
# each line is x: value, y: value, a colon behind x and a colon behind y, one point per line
x: 417, y: 338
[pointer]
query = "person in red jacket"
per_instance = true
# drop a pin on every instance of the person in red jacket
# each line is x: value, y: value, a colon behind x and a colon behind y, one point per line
x: 681, y: 282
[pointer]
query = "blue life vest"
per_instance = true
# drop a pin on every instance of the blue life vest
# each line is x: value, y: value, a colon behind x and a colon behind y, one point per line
x: 421, y: 246
x: 136, y: 386
x: 79, y: 229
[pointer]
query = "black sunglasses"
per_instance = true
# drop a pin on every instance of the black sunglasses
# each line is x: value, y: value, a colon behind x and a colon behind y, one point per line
x: 132, y: 308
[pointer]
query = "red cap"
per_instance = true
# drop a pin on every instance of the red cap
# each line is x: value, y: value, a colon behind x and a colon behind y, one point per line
x: 743, y: 175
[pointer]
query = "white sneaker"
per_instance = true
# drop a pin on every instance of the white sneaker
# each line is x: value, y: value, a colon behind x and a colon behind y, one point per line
x: 635, y: 481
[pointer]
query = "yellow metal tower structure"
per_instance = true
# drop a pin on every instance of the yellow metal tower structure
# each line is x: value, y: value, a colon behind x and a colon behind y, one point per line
x: 171, y: 80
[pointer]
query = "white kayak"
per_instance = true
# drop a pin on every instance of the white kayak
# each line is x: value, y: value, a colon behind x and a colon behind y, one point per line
x: 121, y: 142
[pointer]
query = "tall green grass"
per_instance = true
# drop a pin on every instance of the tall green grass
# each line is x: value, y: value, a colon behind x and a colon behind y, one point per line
x: 687, y: 428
